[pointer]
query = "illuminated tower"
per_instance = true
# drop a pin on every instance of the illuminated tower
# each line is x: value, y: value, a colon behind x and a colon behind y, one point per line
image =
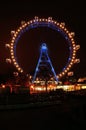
x: 44, y: 69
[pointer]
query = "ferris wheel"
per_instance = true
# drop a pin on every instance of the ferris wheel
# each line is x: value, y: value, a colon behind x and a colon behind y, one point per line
x: 44, y: 22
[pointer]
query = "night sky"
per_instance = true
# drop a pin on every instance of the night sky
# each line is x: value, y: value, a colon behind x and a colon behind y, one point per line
x: 11, y: 15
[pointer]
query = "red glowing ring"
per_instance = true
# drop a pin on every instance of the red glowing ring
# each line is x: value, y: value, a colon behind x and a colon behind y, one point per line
x: 37, y: 22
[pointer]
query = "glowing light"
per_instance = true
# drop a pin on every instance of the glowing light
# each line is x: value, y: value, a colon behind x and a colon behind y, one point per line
x: 49, y: 19
x: 73, y: 45
x: 65, y: 71
x: 65, y: 87
x: 76, y: 60
x: 72, y: 33
x: 28, y: 23
x: 65, y: 29
x: 71, y: 63
x: 77, y: 47
x: 12, y: 56
x: 68, y: 68
x: 83, y: 87
x: 15, y: 35
x: 32, y: 86
x: 14, y: 60
x: 40, y: 20
x: 46, y: 20
x: 55, y: 22
x: 15, y: 63
x: 8, y: 60
x: 19, y: 68
x: 72, y: 39
x: 22, y: 22
x: 3, y: 86
x: 63, y: 24
x: 44, y: 47
x: 36, y: 18
x: 60, y: 26
x: 7, y: 45
x: 60, y: 75
x: 11, y: 46
x: 12, y: 41
x: 18, y: 30
x: 15, y: 73
x: 12, y: 33
x: 43, y: 19
x: 11, y: 51
x: 70, y: 73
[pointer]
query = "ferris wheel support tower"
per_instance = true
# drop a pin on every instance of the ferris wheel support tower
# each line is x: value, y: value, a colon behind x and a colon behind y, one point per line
x: 44, y: 67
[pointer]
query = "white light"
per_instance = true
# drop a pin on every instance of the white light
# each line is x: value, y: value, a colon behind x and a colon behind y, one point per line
x: 7, y: 45
x: 14, y: 60
x: 63, y: 24
x: 12, y: 33
x: 31, y: 21
x: 15, y: 63
x: 77, y: 61
x: 77, y: 47
x: 55, y: 22
x: 21, y: 71
x: 12, y: 56
x: 20, y: 28
x: 70, y: 73
x: 49, y: 18
x: 83, y: 87
x: 65, y: 87
x: 3, y: 86
x: 72, y: 33
x: 65, y: 29
x: 40, y: 20
x: 15, y: 73
x: 36, y: 18
x: 8, y: 60
x: 22, y: 22
x: 15, y: 34
x: 19, y: 68
x: 11, y: 50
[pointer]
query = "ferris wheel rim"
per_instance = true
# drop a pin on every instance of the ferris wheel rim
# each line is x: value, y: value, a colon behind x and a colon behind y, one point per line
x: 36, y: 22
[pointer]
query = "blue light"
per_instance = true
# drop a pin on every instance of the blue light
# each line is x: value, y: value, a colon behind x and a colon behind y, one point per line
x: 44, y: 47
x: 44, y: 60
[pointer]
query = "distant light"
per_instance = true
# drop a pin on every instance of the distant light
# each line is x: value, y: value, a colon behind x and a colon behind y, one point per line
x: 3, y: 86
x: 32, y: 86
x: 15, y: 73
x: 77, y: 61
x: 8, y: 60
x: 77, y: 47
x: 44, y: 47
x: 22, y: 22
x: 12, y: 33
x: 7, y: 45
x: 71, y: 73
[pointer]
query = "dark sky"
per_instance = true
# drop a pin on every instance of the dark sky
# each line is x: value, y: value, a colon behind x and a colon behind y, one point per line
x: 72, y: 13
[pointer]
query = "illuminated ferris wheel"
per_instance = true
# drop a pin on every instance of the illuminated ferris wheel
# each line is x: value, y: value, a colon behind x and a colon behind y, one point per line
x: 44, y: 22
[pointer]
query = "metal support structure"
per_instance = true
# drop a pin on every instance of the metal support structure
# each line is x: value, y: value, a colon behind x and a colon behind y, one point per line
x: 44, y: 66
